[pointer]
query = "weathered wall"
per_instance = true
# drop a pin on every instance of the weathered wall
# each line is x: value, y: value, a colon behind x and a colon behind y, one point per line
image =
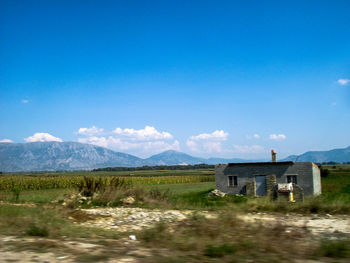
x: 298, y: 193
x: 270, y: 184
x: 317, y: 179
x: 246, y: 174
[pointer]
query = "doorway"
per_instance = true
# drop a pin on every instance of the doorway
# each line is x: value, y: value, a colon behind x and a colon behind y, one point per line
x: 261, y: 188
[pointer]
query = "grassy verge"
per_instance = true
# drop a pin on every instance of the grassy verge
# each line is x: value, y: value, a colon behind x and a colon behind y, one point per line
x: 228, y: 239
x: 36, y: 196
x: 44, y: 222
x: 194, y: 196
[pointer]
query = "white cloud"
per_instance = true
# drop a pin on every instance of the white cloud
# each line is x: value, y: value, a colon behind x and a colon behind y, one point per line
x: 42, y: 137
x: 141, y: 142
x: 207, y: 142
x: 212, y: 147
x: 148, y: 133
x: 161, y: 146
x: 90, y: 131
x: 343, y: 82
x: 278, y: 137
x: 248, y: 149
x: 6, y: 140
x: 99, y: 141
x: 119, y: 144
x: 192, y: 145
x: 24, y: 101
x: 216, y: 135
x: 204, y: 147
x: 254, y: 136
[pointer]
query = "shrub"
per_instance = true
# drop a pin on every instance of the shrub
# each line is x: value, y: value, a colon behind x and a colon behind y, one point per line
x: 159, y: 195
x: 219, y: 251
x: 334, y: 249
x: 237, y: 198
x: 346, y: 189
x: 34, y: 230
x: 154, y: 234
x: 324, y: 172
x: 90, y: 185
x: 16, y: 188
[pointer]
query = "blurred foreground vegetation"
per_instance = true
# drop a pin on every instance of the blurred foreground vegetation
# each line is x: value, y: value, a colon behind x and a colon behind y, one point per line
x: 41, y: 206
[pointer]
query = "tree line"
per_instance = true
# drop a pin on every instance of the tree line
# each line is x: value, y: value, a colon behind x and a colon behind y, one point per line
x: 156, y: 167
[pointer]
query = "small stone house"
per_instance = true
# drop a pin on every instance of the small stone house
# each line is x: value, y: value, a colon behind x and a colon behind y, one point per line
x: 267, y: 178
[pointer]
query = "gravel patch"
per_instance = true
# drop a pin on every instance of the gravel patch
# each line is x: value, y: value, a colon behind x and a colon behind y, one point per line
x: 319, y: 225
x: 125, y: 219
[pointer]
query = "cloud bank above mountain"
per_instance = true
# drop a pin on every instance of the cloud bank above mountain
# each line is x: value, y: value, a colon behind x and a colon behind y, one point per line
x: 150, y: 140
x: 207, y: 142
x: 142, y: 141
x: 42, y: 137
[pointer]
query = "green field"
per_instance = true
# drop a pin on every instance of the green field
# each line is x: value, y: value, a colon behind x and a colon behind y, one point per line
x: 184, y: 189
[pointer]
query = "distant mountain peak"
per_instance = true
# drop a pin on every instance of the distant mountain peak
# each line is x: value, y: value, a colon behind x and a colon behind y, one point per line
x: 171, y: 152
x: 339, y: 155
x: 172, y: 157
x: 53, y: 156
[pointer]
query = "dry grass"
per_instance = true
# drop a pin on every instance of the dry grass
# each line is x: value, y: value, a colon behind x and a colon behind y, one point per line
x: 228, y: 239
x: 41, y: 221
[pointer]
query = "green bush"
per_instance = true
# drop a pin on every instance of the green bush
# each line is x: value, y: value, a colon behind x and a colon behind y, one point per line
x: 219, y: 251
x: 346, y: 189
x: 154, y: 234
x: 334, y: 249
x: 324, y: 172
x: 34, y: 230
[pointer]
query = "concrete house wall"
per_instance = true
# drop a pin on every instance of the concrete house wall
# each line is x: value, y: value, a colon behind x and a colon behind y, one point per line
x: 307, y: 174
x: 317, y: 179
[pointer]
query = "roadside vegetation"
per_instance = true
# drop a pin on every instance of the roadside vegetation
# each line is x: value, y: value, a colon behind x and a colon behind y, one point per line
x: 171, y: 191
x: 43, y: 206
x: 229, y: 239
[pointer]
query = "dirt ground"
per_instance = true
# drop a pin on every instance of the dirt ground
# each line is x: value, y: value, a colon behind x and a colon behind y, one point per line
x: 128, y: 249
x: 126, y: 219
x: 319, y: 225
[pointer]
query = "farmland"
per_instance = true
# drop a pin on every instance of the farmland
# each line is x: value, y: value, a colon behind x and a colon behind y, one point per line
x: 64, y: 182
x: 44, y: 212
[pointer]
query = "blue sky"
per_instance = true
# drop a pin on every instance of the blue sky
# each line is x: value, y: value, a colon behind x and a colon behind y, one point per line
x: 209, y: 78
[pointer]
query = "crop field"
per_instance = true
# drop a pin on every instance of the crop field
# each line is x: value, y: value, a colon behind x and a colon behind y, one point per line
x: 64, y: 181
x: 142, y: 173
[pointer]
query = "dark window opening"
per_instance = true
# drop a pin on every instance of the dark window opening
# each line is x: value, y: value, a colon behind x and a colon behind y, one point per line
x: 292, y: 179
x: 232, y: 181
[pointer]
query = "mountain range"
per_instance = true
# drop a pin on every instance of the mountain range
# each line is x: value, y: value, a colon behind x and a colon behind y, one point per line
x: 53, y: 156
x: 336, y: 155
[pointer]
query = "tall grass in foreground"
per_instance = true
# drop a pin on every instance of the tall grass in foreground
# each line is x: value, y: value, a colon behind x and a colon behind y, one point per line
x: 36, y: 221
x: 224, y: 238
x: 229, y: 239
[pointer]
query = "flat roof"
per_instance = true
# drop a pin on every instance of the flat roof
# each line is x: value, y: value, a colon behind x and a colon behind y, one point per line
x: 261, y: 163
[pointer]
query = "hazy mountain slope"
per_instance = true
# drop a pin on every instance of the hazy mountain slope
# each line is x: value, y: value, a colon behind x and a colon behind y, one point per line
x: 172, y: 157
x: 336, y: 155
x: 224, y: 160
x: 40, y: 156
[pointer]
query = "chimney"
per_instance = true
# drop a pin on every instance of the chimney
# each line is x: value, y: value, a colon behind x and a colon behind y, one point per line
x: 274, y: 156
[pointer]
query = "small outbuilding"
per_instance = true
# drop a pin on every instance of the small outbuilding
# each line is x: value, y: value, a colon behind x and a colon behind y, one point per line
x: 269, y: 178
